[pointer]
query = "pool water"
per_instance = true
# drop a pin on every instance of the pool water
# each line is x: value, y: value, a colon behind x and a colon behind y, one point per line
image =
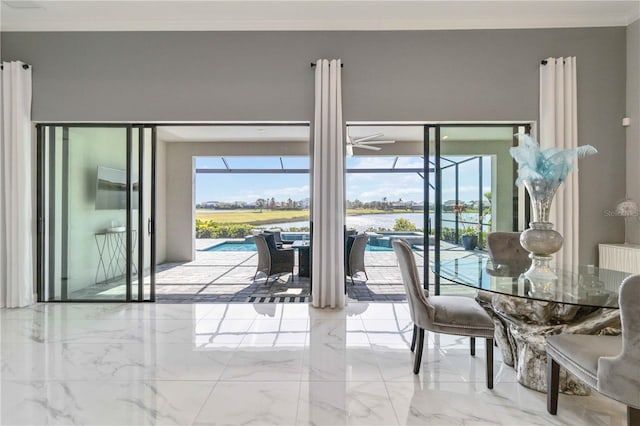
x: 233, y: 246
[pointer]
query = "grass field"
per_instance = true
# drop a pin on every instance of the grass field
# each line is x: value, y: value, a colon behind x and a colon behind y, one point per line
x: 254, y: 217
x: 265, y: 217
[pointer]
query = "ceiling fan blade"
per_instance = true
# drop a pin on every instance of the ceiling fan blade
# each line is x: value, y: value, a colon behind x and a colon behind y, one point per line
x: 366, y: 138
x: 375, y: 142
x: 372, y: 148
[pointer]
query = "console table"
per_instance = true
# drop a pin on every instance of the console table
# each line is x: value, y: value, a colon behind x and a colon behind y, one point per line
x: 112, y: 252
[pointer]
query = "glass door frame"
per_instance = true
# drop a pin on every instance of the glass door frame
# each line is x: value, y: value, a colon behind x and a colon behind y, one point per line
x: 43, y: 212
x: 438, y: 188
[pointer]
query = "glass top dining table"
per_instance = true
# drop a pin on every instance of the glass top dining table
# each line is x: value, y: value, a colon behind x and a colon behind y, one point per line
x: 582, y: 285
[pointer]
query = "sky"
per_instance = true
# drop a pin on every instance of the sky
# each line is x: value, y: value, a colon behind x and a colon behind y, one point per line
x: 364, y: 187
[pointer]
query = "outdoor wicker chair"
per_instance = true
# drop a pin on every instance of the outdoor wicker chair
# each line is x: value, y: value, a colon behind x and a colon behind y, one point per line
x: 271, y: 259
x: 354, y: 255
x: 277, y: 235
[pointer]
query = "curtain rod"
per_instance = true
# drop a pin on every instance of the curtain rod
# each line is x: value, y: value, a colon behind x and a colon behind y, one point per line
x: 24, y: 66
x: 544, y: 62
x: 313, y: 64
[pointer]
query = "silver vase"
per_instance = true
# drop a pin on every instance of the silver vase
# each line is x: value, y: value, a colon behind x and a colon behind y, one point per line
x: 541, y: 240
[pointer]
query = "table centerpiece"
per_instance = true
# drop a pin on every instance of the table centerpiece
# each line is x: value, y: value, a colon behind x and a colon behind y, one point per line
x: 541, y: 172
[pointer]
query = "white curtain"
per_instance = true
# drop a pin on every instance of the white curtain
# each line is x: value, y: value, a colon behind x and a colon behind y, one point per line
x: 16, y: 226
x: 328, y: 188
x: 559, y: 129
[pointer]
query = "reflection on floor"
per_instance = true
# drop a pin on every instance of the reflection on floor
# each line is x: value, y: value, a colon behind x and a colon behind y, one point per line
x: 284, y: 364
x: 228, y: 277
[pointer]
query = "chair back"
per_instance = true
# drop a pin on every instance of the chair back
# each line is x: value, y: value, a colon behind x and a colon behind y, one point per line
x: 264, y: 254
x: 630, y: 313
x: 277, y: 236
x: 270, y: 241
x: 505, y: 249
x: 419, y: 306
x: 619, y: 376
x: 350, y: 233
x: 356, y: 253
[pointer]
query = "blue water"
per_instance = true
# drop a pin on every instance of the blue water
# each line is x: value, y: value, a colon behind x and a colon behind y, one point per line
x: 232, y: 246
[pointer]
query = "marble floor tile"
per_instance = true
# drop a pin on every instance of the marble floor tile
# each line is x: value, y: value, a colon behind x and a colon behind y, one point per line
x: 102, y: 402
x: 345, y: 403
x: 242, y: 363
x: 506, y: 404
x: 255, y: 364
x: 251, y: 403
x: 396, y: 365
x: 345, y: 364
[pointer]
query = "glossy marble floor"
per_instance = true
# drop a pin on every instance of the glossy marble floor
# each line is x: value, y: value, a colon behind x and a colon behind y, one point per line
x: 286, y: 364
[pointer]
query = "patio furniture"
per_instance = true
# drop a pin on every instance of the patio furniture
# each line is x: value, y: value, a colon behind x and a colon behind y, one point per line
x: 354, y: 255
x: 456, y: 315
x: 277, y: 235
x: 304, y: 257
x: 608, y: 364
x: 271, y: 259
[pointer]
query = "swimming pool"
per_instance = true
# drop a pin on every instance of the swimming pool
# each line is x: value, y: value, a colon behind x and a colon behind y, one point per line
x: 242, y: 246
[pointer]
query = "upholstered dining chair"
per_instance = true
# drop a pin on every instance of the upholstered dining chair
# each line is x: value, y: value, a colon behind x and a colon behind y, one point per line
x: 609, y: 364
x: 456, y: 315
x: 271, y: 259
x: 506, y: 251
x: 354, y: 255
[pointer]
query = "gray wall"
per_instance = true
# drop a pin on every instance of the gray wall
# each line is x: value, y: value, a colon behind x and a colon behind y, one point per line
x: 633, y: 131
x: 428, y: 75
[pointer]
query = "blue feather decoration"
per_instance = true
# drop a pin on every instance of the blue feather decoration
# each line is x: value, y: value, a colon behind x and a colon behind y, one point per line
x: 548, y: 164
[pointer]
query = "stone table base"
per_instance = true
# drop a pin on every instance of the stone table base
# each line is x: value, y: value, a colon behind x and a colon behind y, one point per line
x: 522, y: 327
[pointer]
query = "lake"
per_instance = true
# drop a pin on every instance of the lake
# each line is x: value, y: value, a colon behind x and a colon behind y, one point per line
x: 388, y: 220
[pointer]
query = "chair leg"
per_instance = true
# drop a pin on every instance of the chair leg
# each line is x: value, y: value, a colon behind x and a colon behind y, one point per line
x: 418, y: 356
x: 633, y: 416
x: 352, y: 283
x: 413, y: 340
x: 553, y: 385
x: 473, y: 346
x: 489, y: 354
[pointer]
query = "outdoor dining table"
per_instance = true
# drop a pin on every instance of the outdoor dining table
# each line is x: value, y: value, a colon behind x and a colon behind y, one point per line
x: 581, y: 299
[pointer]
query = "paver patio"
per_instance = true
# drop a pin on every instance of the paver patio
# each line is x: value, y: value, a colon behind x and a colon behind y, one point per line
x: 229, y: 277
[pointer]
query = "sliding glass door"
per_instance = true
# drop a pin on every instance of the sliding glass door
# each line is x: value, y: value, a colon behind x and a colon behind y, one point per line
x: 95, y: 213
x: 472, y: 188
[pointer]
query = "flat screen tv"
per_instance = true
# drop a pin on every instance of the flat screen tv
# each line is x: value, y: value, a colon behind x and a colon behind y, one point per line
x: 111, y: 190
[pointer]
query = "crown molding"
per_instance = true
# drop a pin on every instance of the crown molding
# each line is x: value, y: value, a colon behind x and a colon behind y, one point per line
x: 314, y: 15
x: 312, y: 25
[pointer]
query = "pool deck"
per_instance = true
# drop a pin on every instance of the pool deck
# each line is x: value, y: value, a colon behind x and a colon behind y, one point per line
x: 228, y: 276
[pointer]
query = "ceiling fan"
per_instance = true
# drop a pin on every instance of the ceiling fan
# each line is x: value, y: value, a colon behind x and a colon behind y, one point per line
x: 366, y: 142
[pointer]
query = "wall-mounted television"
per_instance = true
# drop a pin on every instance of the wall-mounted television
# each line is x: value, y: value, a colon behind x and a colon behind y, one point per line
x: 111, y: 190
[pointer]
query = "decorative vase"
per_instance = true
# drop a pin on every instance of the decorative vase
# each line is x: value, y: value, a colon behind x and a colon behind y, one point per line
x: 541, y: 240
